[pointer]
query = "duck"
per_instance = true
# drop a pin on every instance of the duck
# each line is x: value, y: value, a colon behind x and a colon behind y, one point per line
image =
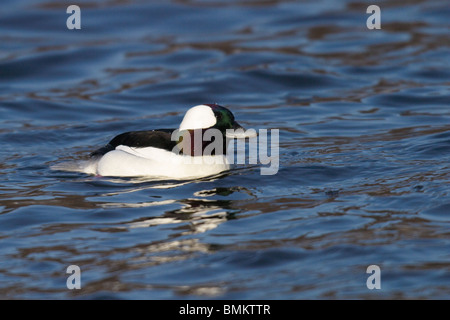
x: 175, y: 153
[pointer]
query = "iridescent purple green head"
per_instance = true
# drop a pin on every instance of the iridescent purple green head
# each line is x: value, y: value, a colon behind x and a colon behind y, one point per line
x: 207, y: 116
x: 199, y: 120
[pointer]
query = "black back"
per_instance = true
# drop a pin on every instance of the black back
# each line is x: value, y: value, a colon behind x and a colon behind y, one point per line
x: 160, y: 138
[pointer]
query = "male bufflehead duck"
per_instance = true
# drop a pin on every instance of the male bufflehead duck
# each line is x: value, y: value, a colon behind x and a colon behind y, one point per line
x: 158, y: 154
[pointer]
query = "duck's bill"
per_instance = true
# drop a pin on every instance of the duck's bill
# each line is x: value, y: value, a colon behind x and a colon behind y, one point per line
x: 239, y: 132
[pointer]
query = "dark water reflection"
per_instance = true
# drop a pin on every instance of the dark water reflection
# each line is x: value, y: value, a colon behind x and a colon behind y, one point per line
x: 364, y: 125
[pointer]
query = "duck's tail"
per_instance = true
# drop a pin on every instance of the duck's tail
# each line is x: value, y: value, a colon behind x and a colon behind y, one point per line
x: 84, y: 166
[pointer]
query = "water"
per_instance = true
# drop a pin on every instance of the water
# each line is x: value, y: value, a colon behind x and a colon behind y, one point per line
x: 364, y: 120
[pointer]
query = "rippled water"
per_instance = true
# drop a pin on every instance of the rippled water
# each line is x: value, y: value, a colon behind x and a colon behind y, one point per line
x: 364, y: 119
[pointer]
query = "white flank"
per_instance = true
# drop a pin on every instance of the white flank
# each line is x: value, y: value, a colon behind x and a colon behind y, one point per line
x: 133, y: 162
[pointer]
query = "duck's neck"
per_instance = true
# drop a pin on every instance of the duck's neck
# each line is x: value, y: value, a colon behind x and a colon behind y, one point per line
x: 202, y: 142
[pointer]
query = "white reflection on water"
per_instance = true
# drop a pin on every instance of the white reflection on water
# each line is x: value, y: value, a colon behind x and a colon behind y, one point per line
x: 199, y: 222
x: 136, y: 205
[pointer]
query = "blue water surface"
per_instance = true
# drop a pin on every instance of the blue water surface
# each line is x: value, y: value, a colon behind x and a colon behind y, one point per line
x: 364, y: 122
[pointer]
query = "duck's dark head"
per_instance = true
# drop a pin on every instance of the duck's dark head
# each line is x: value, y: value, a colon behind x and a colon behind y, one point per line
x: 207, y: 116
x: 212, y: 116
